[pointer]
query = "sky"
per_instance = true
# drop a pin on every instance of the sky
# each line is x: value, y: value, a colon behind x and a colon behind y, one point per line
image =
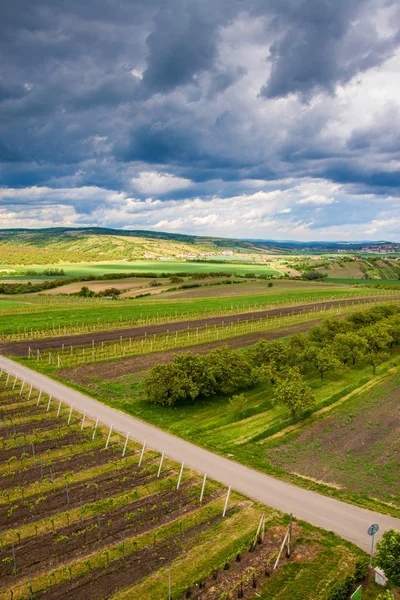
x: 260, y: 119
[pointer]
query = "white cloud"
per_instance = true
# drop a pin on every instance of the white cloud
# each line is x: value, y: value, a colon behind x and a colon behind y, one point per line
x: 316, y: 200
x: 153, y: 183
x: 285, y: 211
x: 206, y: 220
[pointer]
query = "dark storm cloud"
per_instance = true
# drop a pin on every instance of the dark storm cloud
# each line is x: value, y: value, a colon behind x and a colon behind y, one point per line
x: 93, y: 91
x: 322, y: 43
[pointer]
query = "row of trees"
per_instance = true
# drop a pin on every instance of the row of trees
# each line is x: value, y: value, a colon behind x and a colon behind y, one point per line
x: 40, y: 286
x: 336, y: 343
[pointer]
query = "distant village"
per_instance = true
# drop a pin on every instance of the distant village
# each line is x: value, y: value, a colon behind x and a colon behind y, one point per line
x: 193, y: 255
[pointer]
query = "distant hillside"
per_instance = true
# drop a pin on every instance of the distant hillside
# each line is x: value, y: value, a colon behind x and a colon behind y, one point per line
x: 93, y: 244
x: 51, y: 246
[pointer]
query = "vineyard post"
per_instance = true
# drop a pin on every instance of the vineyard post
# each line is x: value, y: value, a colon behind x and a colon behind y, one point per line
x: 59, y: 409
x: 125, y: 445
x: 289, y: 541
x: 39, y: 397
x: 226, y: 501
x: 95, y: 428
x: 22, y: 387
x: 142, y: 453
x: 48, y: 404
x: 30, y: 391
x: 180, y: 476
x: 161, y: 463
x: 15, y: 383
x: 83, y: 419
x: 8, y: 377
x: 280, y: 551
x: 203, y: 487
x: 70, y: 414
x: 109, y: 436
x: 169, y: 587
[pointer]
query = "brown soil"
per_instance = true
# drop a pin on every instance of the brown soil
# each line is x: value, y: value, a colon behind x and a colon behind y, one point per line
x: 28, y: 408
x: 102, y: 583
x: 21, y: 348
x: 64, y: 439
x: 24, y: 429
x: 57, y: 467
x: 44, y: 505
x: 114, y: 369
x: 83, y: 538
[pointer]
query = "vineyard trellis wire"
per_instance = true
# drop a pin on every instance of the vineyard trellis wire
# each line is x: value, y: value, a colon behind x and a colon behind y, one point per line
x: 29, y: 333
x: 190, y: 336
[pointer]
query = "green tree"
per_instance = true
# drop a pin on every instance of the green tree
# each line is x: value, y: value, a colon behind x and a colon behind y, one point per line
x: 298, y: 346
x: 168, y: 385
x: 323, y: 359
x: 265, y: 352
x: 86, y: 292
x: 196, y: 369
x: 388, y: 555
x: 266, y: 373
x: 238, y: 405
x: 294, y: 393
x: 230, y: 370
x: 378, y: 339
x: 349, y: 347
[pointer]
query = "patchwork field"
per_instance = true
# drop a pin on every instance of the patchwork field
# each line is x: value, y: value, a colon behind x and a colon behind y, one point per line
x: 107, y: 526
x: 85, y: 514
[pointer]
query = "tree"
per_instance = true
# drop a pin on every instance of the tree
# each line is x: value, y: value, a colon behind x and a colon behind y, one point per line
x: 195, y: 367
x: 378, y: 339
x: 238, y: 405
x: 265, y: 352
x: 323, y: 359
x: 169, y: 384
x: 230, y: 370
x: 266, y: 373
x: 328, y: 330
x: 394, y: 328
x: 388, y: 555
x: 176, y: 279
x: 349, y: 347
x: 297, y: 349
x: 294, y: 393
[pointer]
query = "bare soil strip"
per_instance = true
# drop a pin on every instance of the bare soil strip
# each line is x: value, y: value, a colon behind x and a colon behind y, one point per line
x: 21, y: 348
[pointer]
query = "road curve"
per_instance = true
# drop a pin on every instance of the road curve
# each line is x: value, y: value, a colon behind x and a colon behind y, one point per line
x: 346, y: 520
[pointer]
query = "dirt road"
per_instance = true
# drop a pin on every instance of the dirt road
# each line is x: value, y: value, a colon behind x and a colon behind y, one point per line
x: 348, y: 521
x: 21, y: 348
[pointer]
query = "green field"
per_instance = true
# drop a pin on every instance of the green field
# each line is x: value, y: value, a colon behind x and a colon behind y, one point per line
x: 120, y: 313
x: 149, y: 266
x: 365, y: 282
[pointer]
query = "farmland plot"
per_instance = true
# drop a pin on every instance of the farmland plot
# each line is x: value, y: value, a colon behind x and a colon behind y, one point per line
x: 87, y: 513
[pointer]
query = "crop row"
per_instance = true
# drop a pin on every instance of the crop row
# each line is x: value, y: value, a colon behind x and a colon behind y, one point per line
x: 122, y: 315
x: 190, y: 336
x: 96, y: 519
